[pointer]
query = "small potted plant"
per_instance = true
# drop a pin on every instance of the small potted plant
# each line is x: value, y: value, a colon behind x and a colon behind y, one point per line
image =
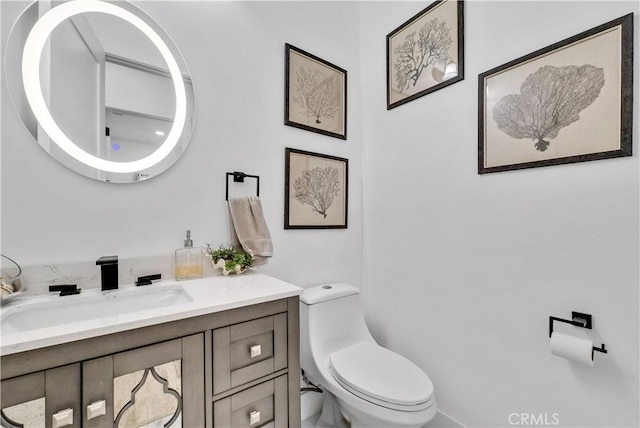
x: 228, y: 259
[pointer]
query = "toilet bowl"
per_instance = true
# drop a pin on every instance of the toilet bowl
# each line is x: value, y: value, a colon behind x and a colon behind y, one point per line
x: 364, y: 383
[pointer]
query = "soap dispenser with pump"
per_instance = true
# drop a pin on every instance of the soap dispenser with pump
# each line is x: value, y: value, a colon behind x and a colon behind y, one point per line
x: 188, y: 260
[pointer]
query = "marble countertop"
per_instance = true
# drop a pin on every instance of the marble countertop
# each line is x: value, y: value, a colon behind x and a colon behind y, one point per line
x: 205, y: 296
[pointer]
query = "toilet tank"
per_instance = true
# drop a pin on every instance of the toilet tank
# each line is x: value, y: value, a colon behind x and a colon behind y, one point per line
x: 331, y: 319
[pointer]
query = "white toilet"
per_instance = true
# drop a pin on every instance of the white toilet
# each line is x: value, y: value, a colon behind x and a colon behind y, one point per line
x: 364, y: 383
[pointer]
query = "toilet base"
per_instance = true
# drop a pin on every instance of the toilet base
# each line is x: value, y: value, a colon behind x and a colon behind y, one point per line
x: 378, y: 417
x: 339, y: 414
x: 331, y: 417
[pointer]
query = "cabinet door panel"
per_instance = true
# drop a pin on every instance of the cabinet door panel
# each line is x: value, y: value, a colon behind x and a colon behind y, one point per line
x: 98, y: 386
x: 22, y: 401
x: 241, y: 350
x: 150, y: 396
x: 193, y: 380
x: 149, y: 356
x: 262, y: 410
x: 263, y: 405
x: 62, y: 390
x: 161, y: 384
x: 22, y: 389
x: 34, y: 399
x: 27, y: 414
x: 247, y: 351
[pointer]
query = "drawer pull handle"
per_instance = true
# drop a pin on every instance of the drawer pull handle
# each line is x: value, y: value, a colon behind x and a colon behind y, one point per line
x: 95, y: 409
x: 256, y: 351
x: 62, y: 419
x: 254, y: 417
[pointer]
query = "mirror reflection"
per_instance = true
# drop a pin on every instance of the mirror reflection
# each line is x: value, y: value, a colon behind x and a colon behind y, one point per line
x: 24, y: 415
x: 107, y: 87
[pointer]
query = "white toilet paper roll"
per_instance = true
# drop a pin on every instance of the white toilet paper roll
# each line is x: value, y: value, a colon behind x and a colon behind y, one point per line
x: 572, y: 348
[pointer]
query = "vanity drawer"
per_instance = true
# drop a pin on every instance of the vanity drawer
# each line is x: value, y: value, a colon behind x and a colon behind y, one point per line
x: 247, y: 351
x: 264, y: 406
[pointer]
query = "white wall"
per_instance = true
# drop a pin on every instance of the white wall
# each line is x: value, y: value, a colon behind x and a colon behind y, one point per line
x: 235, y: 52
x: 464, y: 270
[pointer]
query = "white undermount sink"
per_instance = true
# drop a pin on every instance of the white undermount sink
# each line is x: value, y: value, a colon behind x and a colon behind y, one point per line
x: 56, y: 311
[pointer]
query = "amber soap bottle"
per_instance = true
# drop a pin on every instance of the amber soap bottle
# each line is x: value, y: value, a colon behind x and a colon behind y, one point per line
x: 188, y: 260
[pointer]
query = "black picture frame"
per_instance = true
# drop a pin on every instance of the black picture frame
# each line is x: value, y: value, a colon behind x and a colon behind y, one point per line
x: 408, y: 80
x: 600, y: 92
x: 315, y: 94
x: 328, y: 176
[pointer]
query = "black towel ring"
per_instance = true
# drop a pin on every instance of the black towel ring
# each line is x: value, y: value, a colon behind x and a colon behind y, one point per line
x: 238, y: 177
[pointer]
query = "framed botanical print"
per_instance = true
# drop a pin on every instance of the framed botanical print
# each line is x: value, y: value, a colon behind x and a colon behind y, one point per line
x: 315, y: 97
x: 568, y: 102
x: 426, y: 53
x: 316, y: 190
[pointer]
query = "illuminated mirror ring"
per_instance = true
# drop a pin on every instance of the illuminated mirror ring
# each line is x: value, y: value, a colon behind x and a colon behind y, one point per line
x: 31, y: 76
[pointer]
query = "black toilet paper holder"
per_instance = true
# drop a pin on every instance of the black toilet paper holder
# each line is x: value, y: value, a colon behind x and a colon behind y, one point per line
x: 578, y: 319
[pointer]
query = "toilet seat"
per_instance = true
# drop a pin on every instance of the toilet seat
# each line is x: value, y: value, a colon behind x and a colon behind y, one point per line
x: 382, y: 377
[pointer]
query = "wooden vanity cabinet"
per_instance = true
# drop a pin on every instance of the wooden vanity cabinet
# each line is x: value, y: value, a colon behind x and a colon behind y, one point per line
x: 250, y: 373
x: 40, y: 396
x: 263, y: 405
x: 235, y: 368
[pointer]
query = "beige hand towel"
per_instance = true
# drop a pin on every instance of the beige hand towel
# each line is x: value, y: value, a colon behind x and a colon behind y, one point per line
x: 249, y: 229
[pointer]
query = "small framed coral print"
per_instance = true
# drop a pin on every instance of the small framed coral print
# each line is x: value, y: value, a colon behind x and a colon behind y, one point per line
x: 315, y: 97
x: 316, y: 190
x: 426, y: 53
x: 568, y: 102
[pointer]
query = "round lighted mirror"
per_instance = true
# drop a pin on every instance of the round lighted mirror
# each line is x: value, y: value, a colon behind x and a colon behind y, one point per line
x: 109, y: 94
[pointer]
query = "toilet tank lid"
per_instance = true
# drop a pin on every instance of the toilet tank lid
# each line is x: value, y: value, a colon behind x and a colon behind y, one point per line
x: 322, y: 293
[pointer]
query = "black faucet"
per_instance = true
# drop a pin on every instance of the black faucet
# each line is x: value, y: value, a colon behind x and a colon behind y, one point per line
x: 65, y: 289
x: 146, y: 280
x: 109, y: 270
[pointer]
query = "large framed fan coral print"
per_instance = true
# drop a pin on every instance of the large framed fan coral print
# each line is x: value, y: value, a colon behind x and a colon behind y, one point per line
x: 568, y: 102
x: 426, y: 53
x: 315, y: 190
x: 315, y: 97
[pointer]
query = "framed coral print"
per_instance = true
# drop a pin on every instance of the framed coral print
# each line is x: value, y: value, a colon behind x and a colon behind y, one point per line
x: 426, y: 53
x: 315, y: 191
x: 568, y: 102
x: 315, y: 97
